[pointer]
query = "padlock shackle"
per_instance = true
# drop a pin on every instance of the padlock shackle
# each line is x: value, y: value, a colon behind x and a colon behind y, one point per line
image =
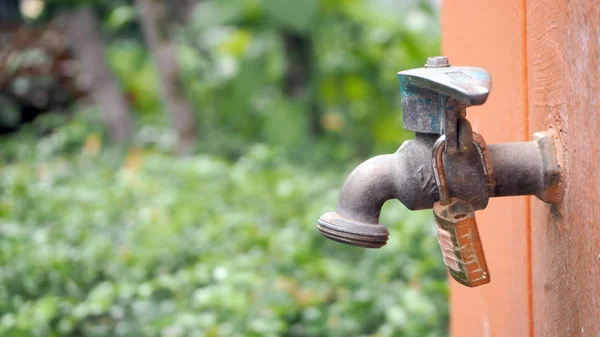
x: 438, y: 170
x: 438, y: 167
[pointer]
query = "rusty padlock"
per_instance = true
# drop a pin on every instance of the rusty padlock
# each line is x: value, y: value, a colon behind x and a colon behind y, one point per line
x: 456, y: 225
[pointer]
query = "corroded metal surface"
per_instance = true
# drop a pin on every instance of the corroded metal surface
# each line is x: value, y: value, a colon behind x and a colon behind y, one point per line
x: 549, y: 144
x: 407, y: 175
x: 455, y: 221
x: 434, y: 99
x: 437, y: 62
x: 352, y: 232
x: 430, y: 95
x: 460, y: 243
x: 440, y: 175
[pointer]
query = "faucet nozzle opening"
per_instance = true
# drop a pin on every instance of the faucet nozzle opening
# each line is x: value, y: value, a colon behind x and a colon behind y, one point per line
x: 352, y: 232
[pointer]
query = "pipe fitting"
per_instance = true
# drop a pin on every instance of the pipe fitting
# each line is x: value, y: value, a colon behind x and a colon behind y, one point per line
x: 520, y: 168
x: 550, y: 147
x: 434, y: 101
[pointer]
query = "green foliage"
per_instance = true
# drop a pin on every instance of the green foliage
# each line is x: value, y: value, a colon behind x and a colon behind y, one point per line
x: 105, y: 243
x: 10, y: 116
x: 298, y: 15
x: 120, y: 17
x: 233, y: 58
x: 139, y: 79
x: 215, y: 13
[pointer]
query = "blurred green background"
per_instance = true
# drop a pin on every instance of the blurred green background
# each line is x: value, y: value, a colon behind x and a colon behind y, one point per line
x: 187, y: 205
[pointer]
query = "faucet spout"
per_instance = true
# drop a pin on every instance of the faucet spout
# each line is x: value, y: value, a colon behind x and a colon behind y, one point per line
x: 405, y: 175
x: 367, y: 188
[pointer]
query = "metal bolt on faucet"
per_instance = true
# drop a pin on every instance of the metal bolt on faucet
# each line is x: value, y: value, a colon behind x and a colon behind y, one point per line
x: 447, y: 167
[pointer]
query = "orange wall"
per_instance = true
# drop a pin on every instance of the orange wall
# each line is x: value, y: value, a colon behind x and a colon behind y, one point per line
x: 491, y: 34
x: 544, y: 261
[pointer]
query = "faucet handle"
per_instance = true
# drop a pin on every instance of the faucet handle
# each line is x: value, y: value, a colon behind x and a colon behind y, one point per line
x: 434, y: 95
x: 469, y: 85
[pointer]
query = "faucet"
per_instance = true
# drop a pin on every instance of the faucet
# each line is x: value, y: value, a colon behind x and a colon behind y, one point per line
x: 434, y: 102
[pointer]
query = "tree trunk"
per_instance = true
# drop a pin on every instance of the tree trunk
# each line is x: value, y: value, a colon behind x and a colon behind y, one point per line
x: 182, y: 10
x: 154, y: 19
x: 83, y: 31
x: 299, y: 75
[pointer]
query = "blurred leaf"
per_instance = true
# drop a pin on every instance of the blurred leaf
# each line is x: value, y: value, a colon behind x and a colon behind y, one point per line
x: 211, y: 13
x: 297, y: 15
x: 355, y: 88
x: 238, y: 44
x: 120, y: 17
x: 10, y: 116
x: 287, y: 127
x: 92, y: 145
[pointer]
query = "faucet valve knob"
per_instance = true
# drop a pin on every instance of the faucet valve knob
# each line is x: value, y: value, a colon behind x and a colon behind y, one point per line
x: 434, y: 97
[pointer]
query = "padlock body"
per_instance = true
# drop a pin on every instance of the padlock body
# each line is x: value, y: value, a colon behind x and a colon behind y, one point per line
x: 459, y: 240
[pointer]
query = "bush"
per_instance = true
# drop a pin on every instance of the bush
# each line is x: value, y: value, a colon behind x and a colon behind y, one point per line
x: 98, y: 242
x: 236, y: 58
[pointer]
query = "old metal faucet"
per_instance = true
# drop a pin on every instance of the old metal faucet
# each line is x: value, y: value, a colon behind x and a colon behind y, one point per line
x: 447, y: 167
